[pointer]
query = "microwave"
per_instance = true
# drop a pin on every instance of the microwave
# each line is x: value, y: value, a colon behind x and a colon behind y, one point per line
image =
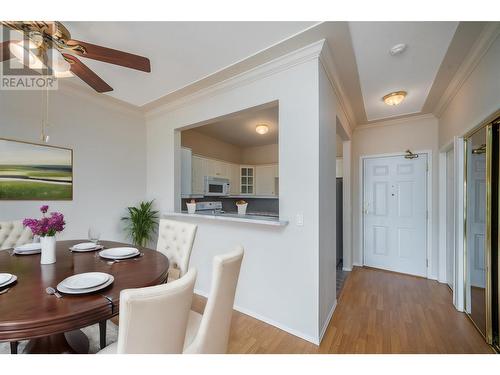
x: 216, y: 186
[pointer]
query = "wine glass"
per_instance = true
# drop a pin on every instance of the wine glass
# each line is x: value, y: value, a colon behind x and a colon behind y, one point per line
x: 94, y: 235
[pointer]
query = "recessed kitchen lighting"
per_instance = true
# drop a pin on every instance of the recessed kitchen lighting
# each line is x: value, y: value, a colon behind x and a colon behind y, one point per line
x: 394, y: 98
x: 262, y: 129
x: 397, y: 49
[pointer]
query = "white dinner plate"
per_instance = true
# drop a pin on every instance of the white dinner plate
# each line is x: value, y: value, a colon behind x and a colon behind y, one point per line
x: 29, y: 247
x: 61, y: 288
x: 4, y: 278
x: 27, y: 252
x: 84, y: 246
x: 11, y: 281
x: 85, y: 280
x: 93, y: 248
x: 119, y: 253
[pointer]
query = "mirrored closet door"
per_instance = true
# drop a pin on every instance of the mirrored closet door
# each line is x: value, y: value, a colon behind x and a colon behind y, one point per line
x: 481, y: 229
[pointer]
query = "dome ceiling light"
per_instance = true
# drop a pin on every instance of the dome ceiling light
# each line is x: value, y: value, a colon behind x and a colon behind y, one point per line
x: 262, y: 129
x: 394, y: 98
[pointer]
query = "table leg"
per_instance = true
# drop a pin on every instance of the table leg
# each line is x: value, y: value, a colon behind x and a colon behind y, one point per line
x: 13, y: 347
x: 102, y: 333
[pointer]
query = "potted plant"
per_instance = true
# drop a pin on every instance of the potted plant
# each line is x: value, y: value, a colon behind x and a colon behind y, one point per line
x: 242, y: 207
x: 191, y: 206
x: 142, y: 222
x: 46, y: 228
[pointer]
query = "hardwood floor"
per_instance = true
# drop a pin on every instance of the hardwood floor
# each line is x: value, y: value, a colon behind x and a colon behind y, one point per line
x: 377, y: 312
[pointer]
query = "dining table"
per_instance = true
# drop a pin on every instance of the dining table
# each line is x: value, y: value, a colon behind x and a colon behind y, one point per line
x: 52, y: 324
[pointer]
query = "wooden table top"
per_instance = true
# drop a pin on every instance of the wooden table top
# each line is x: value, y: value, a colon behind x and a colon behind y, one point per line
x: 27, y: 311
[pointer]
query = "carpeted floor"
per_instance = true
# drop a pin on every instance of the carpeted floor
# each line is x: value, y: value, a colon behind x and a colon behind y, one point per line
x: 92, y: 333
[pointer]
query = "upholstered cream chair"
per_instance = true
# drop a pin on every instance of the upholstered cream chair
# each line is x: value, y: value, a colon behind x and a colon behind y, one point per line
x: 209, y: 334
x: 175, y: 240
x: 153, y: 320
x: 13, y: 233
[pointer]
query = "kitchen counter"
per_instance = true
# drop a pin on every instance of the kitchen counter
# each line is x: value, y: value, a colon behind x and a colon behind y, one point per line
x: 227, y: 216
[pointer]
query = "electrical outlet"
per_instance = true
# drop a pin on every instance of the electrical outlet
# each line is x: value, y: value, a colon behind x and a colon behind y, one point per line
x: 299, y: 219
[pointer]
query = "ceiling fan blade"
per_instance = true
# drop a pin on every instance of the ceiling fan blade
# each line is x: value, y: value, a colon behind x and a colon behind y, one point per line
x: 111, y: 56
x: 85, y: 74
x: 5, y: 51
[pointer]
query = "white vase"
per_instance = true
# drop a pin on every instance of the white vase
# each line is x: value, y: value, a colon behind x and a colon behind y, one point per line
x: 191, y: 208
x: 242, y: 209
x: 48, y: 244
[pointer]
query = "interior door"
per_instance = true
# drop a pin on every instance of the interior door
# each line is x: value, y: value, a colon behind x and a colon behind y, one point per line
x: 395, y: 214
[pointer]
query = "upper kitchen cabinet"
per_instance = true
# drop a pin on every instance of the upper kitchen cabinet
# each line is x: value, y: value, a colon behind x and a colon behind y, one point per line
x: 266, y: 180
x: 186, y: 174
x: 247, y: 179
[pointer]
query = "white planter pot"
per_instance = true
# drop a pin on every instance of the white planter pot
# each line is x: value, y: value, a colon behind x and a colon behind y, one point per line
x: 191, y: 208
x: 48, y: 244
x: 242, y: 209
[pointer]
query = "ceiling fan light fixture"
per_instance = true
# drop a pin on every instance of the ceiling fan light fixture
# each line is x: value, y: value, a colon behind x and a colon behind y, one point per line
x: 61, y: 68
x: 394, y: 98
x: 262, y: 129
x: 22, y: 50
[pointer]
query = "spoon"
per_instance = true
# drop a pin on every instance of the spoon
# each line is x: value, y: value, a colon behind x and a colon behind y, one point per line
x: 51, y: 291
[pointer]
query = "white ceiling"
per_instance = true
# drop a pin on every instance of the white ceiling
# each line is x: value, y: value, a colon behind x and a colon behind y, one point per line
x: 413, y: 71
x: 180, y: 52
x: 239, y: 129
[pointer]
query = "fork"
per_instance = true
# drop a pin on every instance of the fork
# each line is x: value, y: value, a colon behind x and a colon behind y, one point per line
x: 4, y: 291
x: 124, y: 260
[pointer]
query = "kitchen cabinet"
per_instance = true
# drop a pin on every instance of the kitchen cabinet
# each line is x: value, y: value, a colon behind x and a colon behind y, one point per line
x: 266, y: 179
x: 198, y: 170
x: 247, y: 179
x: 186, y: 174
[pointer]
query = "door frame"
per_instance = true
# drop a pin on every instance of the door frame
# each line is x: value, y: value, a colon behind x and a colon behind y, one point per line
x: 428, y: 251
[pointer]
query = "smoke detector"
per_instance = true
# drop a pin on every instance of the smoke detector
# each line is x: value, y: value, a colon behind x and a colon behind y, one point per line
x: 397, y: 49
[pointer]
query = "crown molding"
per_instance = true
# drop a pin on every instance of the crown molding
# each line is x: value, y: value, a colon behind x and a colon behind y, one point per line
x: 326, y: 61
x: 479, y: 49
x: 285, y: 62
x: 398, y: 121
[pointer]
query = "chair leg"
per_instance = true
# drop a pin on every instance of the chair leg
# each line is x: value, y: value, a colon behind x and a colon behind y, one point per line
x: 13, y: 347
x: 102, y: 334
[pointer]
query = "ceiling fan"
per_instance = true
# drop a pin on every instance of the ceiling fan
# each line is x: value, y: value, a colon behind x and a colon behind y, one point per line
x: 49, y: 44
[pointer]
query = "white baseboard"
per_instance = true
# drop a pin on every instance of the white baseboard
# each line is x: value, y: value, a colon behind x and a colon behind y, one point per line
x: 327, y: 322
x: 357, y: 264
x: 272, y: 322
x: 347, y: 269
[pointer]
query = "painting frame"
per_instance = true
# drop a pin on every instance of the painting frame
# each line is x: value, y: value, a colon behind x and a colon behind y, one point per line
x: 69, y: 195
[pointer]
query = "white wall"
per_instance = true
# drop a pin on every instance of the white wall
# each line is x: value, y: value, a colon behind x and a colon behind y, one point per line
x: 279, y: 277
x: 108, y: 143
x: 415, y: 133
x: 327, y: 207
x: 267, y: 154
x: 478, y: 97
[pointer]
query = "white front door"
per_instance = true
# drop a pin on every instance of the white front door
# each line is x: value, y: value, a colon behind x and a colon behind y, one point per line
x: 395, y: 214
x: 450, y: 218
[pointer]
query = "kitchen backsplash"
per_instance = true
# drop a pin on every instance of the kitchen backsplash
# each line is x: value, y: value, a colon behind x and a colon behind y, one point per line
x: 255, y: 205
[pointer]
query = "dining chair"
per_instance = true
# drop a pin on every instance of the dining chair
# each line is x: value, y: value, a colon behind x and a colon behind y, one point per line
x: 13, y: 233
x: 209, y: 333
x: 175, y: 240
x: 153, y: 320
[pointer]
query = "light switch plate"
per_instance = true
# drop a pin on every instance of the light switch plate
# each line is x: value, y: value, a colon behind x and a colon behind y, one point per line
x: 299, y: 219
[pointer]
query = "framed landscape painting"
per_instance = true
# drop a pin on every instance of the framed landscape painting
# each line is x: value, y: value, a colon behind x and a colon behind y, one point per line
x: 30, y: 171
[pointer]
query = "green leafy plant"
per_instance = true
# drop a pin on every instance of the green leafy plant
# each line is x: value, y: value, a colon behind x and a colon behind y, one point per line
x: 142, y: 222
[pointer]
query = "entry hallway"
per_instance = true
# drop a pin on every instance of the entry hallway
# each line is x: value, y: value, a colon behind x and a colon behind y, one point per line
x: 377, y: 312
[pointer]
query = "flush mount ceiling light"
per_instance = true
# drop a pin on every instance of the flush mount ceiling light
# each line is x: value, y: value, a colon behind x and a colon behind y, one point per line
x: 397, y: 49
x: 394, y: 98
x: 262, y: 129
